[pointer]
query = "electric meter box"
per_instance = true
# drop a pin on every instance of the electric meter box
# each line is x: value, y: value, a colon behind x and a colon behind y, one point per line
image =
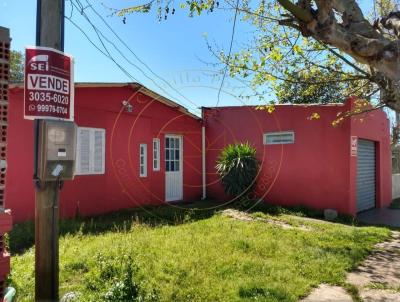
x: 56, y: 150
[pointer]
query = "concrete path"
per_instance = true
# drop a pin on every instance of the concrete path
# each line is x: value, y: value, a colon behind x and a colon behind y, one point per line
x: 377, y: 278
x: 328, y: 293
x: 388, y: 217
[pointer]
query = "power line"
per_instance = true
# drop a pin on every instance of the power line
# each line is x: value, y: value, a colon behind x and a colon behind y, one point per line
x: 101, y: 51
x: 101, y: 36
x: 134, y: 54
x: 229, y: 53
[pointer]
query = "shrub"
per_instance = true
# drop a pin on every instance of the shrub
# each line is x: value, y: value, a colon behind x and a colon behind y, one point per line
x: 116, y: 279
x: 238, y: 166
x: 126, y: 289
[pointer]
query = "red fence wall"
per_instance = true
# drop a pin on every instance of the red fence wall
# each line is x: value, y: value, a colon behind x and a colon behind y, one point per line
x: 316, y: 171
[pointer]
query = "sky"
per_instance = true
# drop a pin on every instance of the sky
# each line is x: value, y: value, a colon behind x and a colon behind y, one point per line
x: 170, y: 57
x: 175, y: 50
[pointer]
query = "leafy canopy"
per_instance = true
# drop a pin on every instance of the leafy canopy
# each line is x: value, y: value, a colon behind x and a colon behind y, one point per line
x: 308, y: 50
x: 16, y: 67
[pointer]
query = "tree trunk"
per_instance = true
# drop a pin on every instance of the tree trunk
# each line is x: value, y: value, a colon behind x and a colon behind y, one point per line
x: 341, y: 24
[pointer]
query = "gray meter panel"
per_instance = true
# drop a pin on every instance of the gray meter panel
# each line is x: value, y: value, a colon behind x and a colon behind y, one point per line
x: 57, y: 150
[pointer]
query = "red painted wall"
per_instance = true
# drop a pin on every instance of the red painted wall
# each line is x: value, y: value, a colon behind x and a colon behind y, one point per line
x: 120, y: 186
x: 316, y: 171
x: 373, y: 126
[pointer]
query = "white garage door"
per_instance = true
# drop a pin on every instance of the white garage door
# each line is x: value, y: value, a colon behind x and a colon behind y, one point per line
x: 366, y: 180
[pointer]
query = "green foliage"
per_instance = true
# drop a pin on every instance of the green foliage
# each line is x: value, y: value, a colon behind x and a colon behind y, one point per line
x: 16, y: 67
x: 278, y: 59
x: 384, y: 7
x: 212, y: 259
x: 315, y: 85
x: 238, y: 166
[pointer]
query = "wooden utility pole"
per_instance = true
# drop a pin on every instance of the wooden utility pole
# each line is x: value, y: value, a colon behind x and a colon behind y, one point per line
x: 49, y: 33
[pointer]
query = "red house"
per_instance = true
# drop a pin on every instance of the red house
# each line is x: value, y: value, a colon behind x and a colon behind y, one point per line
x: 307, y: 161
x: 136, y: 147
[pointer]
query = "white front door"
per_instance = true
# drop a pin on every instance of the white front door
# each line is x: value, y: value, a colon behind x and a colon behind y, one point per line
x: 173, y: 168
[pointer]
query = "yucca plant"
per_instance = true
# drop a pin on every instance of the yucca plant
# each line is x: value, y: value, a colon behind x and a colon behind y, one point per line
x: 238, y: 166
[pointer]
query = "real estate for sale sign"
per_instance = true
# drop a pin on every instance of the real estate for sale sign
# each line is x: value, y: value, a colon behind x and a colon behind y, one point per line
x: 49, y: 84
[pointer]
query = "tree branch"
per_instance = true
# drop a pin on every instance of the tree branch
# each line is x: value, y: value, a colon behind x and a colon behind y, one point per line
x: 300, y: 13
x: 344, y: 59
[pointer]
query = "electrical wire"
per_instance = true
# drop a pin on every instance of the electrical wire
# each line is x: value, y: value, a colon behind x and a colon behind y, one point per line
x: 135, y: 55
x: 101, y: 36
x: 100, y: 50
x: 229, y: 53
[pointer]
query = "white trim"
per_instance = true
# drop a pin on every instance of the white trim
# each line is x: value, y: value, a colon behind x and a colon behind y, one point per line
x: 203, y: 161
x: 91, y: 151
x: 49, y: 49
x: 144, y: 156
x: 157, y: 150
x: 268, y: 134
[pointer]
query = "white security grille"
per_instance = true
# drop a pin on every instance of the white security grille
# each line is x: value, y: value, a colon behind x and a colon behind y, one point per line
x: 143, y: 160
x: 90, y: 151
x: 156, y: 154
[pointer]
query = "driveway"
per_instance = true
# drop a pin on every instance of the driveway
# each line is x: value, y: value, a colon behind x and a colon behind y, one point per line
x: 388, y: 217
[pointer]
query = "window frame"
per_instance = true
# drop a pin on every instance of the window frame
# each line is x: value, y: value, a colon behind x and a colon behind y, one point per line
x: 156, y: 154
x: 173, y: 161
x: 144, y: 155
x: 267, y: 134
x: 91, y: 151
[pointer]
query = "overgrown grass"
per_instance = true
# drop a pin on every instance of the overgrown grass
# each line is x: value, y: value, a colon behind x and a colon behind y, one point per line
x: 191, y: 255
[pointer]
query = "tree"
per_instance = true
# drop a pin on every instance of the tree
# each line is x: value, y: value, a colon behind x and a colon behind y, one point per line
x: 16, y: 67
x: 291, y: 36
x: 334, y: 90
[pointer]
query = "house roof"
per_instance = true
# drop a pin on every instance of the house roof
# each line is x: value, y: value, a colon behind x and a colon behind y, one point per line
x: 279, y: 105
x: 134, y: 86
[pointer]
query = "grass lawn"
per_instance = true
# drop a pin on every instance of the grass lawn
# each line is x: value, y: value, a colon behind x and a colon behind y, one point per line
x: 195, y: 256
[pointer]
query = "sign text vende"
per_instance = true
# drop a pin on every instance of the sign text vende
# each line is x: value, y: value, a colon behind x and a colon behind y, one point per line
x: 49, y: 85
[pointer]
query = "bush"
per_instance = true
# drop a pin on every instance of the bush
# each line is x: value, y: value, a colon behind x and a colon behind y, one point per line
x: 238, y: 166
x: 116, y: 279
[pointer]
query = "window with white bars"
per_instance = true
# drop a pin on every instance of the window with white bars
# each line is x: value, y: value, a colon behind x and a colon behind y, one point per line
x: 279, y: 138
x: 172, y: 154
x: 143, y: 160
x: 156, y: 154
x: 90, y: 158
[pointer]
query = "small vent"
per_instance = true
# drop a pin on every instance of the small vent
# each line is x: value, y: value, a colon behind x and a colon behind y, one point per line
x: 279, y: 138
